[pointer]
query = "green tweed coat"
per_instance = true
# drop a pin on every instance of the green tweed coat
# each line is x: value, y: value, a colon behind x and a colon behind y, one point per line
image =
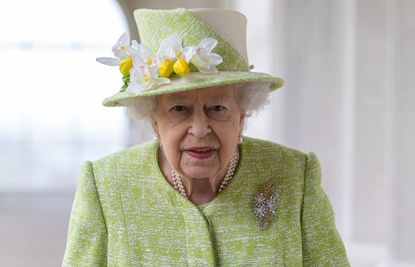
x: 126, y: 214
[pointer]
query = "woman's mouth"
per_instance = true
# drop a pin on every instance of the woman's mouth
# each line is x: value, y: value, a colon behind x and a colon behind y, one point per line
x: 200, y: 152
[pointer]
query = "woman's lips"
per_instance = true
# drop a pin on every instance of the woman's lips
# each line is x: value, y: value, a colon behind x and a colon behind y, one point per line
x: 200, y: 152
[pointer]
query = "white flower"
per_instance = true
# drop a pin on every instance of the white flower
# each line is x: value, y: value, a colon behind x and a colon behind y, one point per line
x: 203, y: 58
x: 122, y: 47
x: 147, y: 57
x: 121, y: 50
x: 144, y: 76
x: 171, y: 49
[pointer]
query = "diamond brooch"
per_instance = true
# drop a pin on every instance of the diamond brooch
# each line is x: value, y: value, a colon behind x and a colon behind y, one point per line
x: 265, y: 204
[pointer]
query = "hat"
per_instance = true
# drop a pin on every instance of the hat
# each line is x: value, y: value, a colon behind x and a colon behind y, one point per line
x: 183, y: 50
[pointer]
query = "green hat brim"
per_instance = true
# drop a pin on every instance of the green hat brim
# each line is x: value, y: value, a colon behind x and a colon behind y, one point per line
x: 180, y: 84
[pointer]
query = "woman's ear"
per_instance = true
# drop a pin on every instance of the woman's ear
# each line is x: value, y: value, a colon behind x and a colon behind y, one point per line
x: 242, y: 121
x: 155, y: 128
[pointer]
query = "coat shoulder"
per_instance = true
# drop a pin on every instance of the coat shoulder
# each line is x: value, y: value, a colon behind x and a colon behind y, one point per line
x: 136, y: 158
x: 133, y: 151
x: 130, y: 153
x: 272, y: 160
x: 271, y: 150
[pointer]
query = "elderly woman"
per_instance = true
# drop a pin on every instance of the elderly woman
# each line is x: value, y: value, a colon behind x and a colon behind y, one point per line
x: 200, y: 194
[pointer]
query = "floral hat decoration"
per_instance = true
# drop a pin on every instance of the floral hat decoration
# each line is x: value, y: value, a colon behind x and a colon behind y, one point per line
x: 183, y: 50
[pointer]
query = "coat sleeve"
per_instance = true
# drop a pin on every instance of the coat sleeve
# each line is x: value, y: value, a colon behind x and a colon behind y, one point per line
x: 87, y: 234
x: 322, y: 245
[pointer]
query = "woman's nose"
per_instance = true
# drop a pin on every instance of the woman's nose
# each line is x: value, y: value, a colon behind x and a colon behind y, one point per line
x: 199, y: 125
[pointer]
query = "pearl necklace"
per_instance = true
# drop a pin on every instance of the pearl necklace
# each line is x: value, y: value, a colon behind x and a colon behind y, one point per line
x: 177, y: 178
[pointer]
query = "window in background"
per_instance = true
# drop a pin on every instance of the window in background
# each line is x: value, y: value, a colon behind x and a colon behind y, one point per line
x: 51, y: 117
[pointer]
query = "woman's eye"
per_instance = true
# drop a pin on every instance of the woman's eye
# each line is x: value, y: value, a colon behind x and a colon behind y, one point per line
x: 179, y: 112
x: 218, y: 108
x: 178, y: 108
x: 217, y: 112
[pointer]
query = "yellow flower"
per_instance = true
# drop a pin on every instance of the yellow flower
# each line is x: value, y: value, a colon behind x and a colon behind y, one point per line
x: 166, y: 68
x: 181, y: 67
x: 125, y: 65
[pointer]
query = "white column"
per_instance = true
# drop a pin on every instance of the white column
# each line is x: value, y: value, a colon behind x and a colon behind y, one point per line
x: 374, y: 87
x: 404, y: 132
x: 314, y: 91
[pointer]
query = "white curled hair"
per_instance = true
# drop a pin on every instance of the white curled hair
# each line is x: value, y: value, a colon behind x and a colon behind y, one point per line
x: 142, y: 110
x: 251, y: 97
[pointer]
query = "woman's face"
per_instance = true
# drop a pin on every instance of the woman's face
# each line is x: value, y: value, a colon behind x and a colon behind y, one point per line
x: 199, y: 129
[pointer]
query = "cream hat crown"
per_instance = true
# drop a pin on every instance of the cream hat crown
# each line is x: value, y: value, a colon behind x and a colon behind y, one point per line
x: 228, y: 23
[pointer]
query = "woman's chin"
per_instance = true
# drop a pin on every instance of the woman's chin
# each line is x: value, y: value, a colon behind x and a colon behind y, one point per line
x: 199, y: 168
x: 199, y: 172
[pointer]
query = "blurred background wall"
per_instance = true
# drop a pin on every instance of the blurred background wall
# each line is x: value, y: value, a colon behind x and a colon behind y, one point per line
x: 349, y: 97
